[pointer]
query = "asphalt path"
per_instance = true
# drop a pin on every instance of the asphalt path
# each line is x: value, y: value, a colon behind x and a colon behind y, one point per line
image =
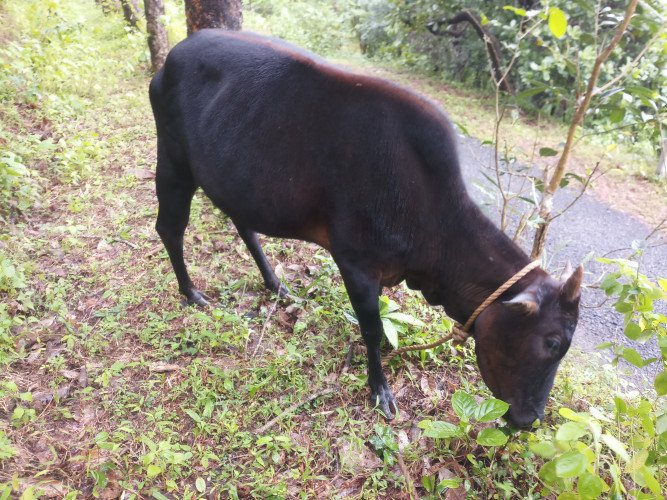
x: 589, y: 227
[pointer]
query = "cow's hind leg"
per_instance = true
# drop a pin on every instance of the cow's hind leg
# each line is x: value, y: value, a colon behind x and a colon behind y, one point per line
x: 271, y: 281
x: 363, y: 292
x: 175, y: 188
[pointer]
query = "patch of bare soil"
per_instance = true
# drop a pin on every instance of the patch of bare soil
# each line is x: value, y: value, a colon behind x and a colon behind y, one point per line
x: 634, y: 195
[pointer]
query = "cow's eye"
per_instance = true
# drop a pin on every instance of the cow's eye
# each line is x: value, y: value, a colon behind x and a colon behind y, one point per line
x: 552, y: 345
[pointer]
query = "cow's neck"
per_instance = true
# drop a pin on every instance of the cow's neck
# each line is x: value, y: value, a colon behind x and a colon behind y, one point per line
x: 475, y: 259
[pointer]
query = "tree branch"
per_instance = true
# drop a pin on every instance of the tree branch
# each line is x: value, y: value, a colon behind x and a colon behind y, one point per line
x: 490, y: 42
x: 554, y: 182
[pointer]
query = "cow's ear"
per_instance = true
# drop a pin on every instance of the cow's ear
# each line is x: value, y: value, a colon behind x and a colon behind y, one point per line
x: 525, y: 303
x: 571, y: 289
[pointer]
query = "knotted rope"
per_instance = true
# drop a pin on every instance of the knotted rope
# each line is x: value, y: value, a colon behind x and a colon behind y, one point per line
x: 461, y: 333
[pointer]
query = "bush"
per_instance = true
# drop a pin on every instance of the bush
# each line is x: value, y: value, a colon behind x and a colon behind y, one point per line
x: 318, y: 25
x: 549, y: 71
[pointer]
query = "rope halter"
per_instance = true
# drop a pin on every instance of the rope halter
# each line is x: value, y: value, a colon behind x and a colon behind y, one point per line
x: 461, y: 333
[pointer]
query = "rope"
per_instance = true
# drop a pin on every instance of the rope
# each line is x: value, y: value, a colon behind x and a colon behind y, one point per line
x: 461, y: 333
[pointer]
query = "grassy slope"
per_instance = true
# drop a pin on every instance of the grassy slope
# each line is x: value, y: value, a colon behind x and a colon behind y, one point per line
x: 160, y: 398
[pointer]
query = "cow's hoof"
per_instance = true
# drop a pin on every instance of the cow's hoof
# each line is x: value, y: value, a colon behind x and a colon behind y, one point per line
x: 384, y: 400
x: 283, y: 291
x: 279, y: 288
x: 196, y: 298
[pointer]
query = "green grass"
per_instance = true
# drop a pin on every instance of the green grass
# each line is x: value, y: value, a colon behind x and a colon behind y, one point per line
x: 157, y: 399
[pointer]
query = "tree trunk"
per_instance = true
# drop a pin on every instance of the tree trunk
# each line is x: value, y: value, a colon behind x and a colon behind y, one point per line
x: 226, y: 14
x: 662, y: 162
x: 157, y: 34
x: 130, y: 12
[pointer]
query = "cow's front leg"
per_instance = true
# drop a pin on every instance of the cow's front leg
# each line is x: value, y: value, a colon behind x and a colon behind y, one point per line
x: 363, y: 292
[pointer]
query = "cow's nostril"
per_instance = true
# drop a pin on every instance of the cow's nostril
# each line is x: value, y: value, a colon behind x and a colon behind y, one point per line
x: 524, y: 421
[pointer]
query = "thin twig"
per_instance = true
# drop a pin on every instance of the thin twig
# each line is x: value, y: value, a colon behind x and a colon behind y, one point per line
x: 153, y: 251
x: 597, y: 305
x: 656, y: 229
x: 265, y: 326
x: 584, y: 188
x: 624, y: 72
x: 323, y: 392
x: 408, y: 478
x: 295, y: 406
x: 348, y: 357
x: 128, y: 243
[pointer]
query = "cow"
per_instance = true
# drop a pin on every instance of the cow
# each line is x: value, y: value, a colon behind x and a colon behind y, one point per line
x: 290, y: 146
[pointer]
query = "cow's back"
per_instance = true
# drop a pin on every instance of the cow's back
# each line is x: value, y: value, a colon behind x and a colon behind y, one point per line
x: 290, y: 146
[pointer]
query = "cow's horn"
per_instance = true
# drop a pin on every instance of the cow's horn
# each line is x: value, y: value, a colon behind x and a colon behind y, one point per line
x: 525, y: 303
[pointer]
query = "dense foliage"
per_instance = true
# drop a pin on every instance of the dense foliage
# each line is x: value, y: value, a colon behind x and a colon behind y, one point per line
x: 550, y: 68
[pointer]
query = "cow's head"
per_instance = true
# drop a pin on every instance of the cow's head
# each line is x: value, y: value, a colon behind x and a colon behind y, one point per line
x: 520, y: 342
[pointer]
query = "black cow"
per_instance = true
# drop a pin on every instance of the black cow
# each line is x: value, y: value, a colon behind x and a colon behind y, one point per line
x: 292, y: 147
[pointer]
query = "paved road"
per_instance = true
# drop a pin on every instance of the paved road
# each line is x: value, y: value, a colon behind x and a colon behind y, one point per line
x: 589, y: 226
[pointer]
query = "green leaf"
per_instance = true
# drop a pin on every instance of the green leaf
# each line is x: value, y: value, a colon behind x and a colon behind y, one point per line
x: 390, y: 332
x: 158, y: 495
x: 544, y: 449
x: 548, y: 152
x: 610, y: 285
x: 571, y: 464
x: 660, y: 383
x: 516, y: 10
x: 153, y: 470
x: 570, y: 431
x: 405, y: 318
x: 548, y: 472
x: 490, y: 409
x: 491, y: 437
x: 587, y: 39
x: 637, y: 461
x: 645, y: 478
x: 572, y: 415
x: 632, y: 331
x: 590, y: 486
x: 617, y: 115
x: 387, y: 305
x: 350, y: 317
x: 661, y: 424
x: 194, y: 416
x: 616, y: 446
x: 440, y: 430
x: 462, y: 128
x: 454, y: 482
x: 264, y: 440
x: 638, y: 90
x: 621, y: 406
x: 200, y: 484
x: 557, y: 22
x: 633, y: 357
x: 464, y: 405
x: 525, y: 94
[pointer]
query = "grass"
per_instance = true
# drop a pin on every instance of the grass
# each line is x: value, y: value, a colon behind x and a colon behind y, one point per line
x: 111, y: 387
